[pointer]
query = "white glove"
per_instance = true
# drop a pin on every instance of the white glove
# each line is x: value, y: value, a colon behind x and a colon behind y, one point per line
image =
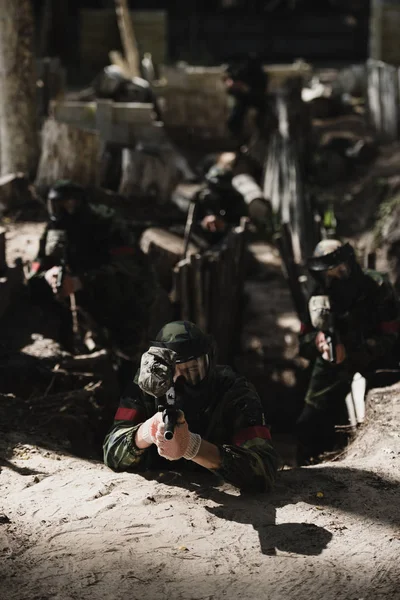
x: 148, y: 429
x: 184, y: 444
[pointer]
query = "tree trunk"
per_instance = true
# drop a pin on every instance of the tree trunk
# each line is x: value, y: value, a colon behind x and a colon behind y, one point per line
x: 18, y: 133
x: 128, y: 37
x: 68, y: 152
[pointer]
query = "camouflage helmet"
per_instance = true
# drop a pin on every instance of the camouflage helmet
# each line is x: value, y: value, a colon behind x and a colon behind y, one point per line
x: 328, y: 254
x: 186, y: 339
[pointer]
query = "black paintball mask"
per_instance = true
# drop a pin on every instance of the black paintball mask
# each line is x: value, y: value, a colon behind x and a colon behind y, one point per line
x: 337, y: 272
x: 66, y: 203
x: 194, y: 351
x: 194, y: 366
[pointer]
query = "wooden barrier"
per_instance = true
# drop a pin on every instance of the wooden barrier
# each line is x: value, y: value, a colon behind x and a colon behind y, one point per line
x: 384, y: 100
x: 123, y: 123
x: 208, y: 289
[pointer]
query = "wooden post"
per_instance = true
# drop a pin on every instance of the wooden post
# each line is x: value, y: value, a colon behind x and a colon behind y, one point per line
x: 128, y: 37
x: 3, y: 262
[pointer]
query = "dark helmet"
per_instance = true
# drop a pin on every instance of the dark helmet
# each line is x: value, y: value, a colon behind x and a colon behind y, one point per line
x: 61, y: 191
x: 345, y: 283
x: 194, y: 348
x: 329, y: 254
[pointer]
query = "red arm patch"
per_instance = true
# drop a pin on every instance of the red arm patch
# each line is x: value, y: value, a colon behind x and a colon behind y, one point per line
x: 35, y: 266
x: 304, y: 328
x: 127, y: 414
x: 389, y: 327
x: 250, y: 433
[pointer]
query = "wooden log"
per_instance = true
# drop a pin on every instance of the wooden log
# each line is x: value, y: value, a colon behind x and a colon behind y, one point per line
x: 117, y: 59
x: 68, y: 153
x: 128, y: 37
x: 96, y: 362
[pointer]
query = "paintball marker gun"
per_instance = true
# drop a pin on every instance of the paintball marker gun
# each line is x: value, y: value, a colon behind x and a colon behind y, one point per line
x: 56, y: 244
x: 62, y: 269
x: 169, y: 404
x: 322, y: 318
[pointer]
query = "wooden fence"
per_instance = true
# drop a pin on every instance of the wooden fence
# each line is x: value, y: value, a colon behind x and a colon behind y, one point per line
x: 384, y: 100
x: 208, y: 289
x: 296, y: 233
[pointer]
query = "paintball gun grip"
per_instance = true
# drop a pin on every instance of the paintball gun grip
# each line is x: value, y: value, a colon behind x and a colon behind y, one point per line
x: 60, y: 277
x: 330, y: 340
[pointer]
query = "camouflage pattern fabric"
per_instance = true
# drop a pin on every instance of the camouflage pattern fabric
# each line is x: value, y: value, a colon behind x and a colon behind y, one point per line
x: 179, y: 331
x: 232, y: 419
x: 157, y: 368
x: 369, y: 332
x: 119, y: 287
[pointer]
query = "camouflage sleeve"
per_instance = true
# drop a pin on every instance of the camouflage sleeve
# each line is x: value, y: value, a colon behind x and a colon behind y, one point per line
x: 249, y: 461
x: 119, y: 449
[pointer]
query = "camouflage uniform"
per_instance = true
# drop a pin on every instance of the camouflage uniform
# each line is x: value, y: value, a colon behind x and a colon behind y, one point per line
x: 369, y: 331
x: 225, y: 410
x: 118, y: 285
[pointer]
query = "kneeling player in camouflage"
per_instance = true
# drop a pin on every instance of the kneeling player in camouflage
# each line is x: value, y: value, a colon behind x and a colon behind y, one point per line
x: 221, y: 426
x: 86, y: 251
x: 353, y: 327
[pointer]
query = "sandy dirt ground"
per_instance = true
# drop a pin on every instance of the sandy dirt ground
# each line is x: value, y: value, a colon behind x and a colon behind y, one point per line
x: 71, y: 529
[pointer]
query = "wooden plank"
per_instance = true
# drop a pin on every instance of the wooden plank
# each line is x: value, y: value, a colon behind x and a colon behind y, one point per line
x: 3, y: 262
x: 132, y: 113
x: 128, y: 37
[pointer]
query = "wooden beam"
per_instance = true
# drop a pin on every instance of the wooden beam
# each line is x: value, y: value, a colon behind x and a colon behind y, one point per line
x: 128, y: 37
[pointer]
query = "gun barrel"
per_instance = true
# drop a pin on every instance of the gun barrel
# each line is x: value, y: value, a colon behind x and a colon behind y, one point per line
x: 169, y: 418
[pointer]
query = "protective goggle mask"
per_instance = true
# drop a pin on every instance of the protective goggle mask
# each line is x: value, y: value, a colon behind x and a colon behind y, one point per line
x: 332, y: 277
x: 193, y: 370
